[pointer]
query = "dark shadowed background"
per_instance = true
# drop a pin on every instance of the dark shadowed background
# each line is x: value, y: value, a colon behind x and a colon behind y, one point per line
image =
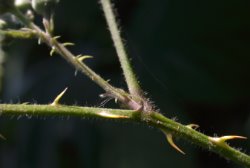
x: 192, y: 57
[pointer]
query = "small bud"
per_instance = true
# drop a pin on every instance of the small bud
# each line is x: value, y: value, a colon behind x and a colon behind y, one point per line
x: 6, y: 6
x: 44, y: 7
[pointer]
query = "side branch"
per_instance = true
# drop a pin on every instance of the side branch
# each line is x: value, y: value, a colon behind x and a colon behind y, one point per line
x: 129, y: 74
x: 61, y: 49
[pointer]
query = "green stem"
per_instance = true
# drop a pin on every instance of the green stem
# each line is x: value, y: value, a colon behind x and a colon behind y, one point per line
x: 62, y: 110
x: 200, y: 139
x: 66, y: 54
x: 132, y: 82
x: 18, y: 34
x: 153, y: 119
x: 116, y: 93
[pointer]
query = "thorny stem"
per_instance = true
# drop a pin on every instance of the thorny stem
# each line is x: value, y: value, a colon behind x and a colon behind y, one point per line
x: 132, y: 82
x: 152, y: 118
x: 155, y: 119
x: 202, y: 140
x: 116, y: 93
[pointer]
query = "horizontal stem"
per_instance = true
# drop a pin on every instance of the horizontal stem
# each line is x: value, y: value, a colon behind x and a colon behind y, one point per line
x: 153, y: 119
x: 62, y: 110
x: 18, y: 34
x: 200, y: 139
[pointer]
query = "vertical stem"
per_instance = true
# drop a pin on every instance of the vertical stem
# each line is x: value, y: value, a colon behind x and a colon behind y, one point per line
x: 129, y: 74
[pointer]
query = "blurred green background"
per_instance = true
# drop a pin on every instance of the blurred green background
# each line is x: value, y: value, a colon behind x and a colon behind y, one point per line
x: 192, y: 58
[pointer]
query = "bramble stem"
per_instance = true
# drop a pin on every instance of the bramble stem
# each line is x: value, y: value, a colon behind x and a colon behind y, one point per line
x: 132, y: 82
x: 66, y: 54
x: 202, y: 140
x: 154, y: 119
x: 18, y: 34
x: 63, y: 110
x: 116, y: 93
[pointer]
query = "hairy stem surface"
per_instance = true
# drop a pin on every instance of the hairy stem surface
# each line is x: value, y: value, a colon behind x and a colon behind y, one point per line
x: 61, y: 49
x: 153, y: 119
x: 129, y: 74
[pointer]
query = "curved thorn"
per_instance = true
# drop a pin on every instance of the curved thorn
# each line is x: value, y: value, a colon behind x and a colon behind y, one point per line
x: 192, y: 126
x: 68, y: 44
x: 57, y: 99
x: 83, y: 57
x: 110, y: 115
x: 56, y: 37
x: 53, y: 50
x: 230, y: 137
x: 223, y: 139
x: 39, y: 41
x: 169, y: 137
